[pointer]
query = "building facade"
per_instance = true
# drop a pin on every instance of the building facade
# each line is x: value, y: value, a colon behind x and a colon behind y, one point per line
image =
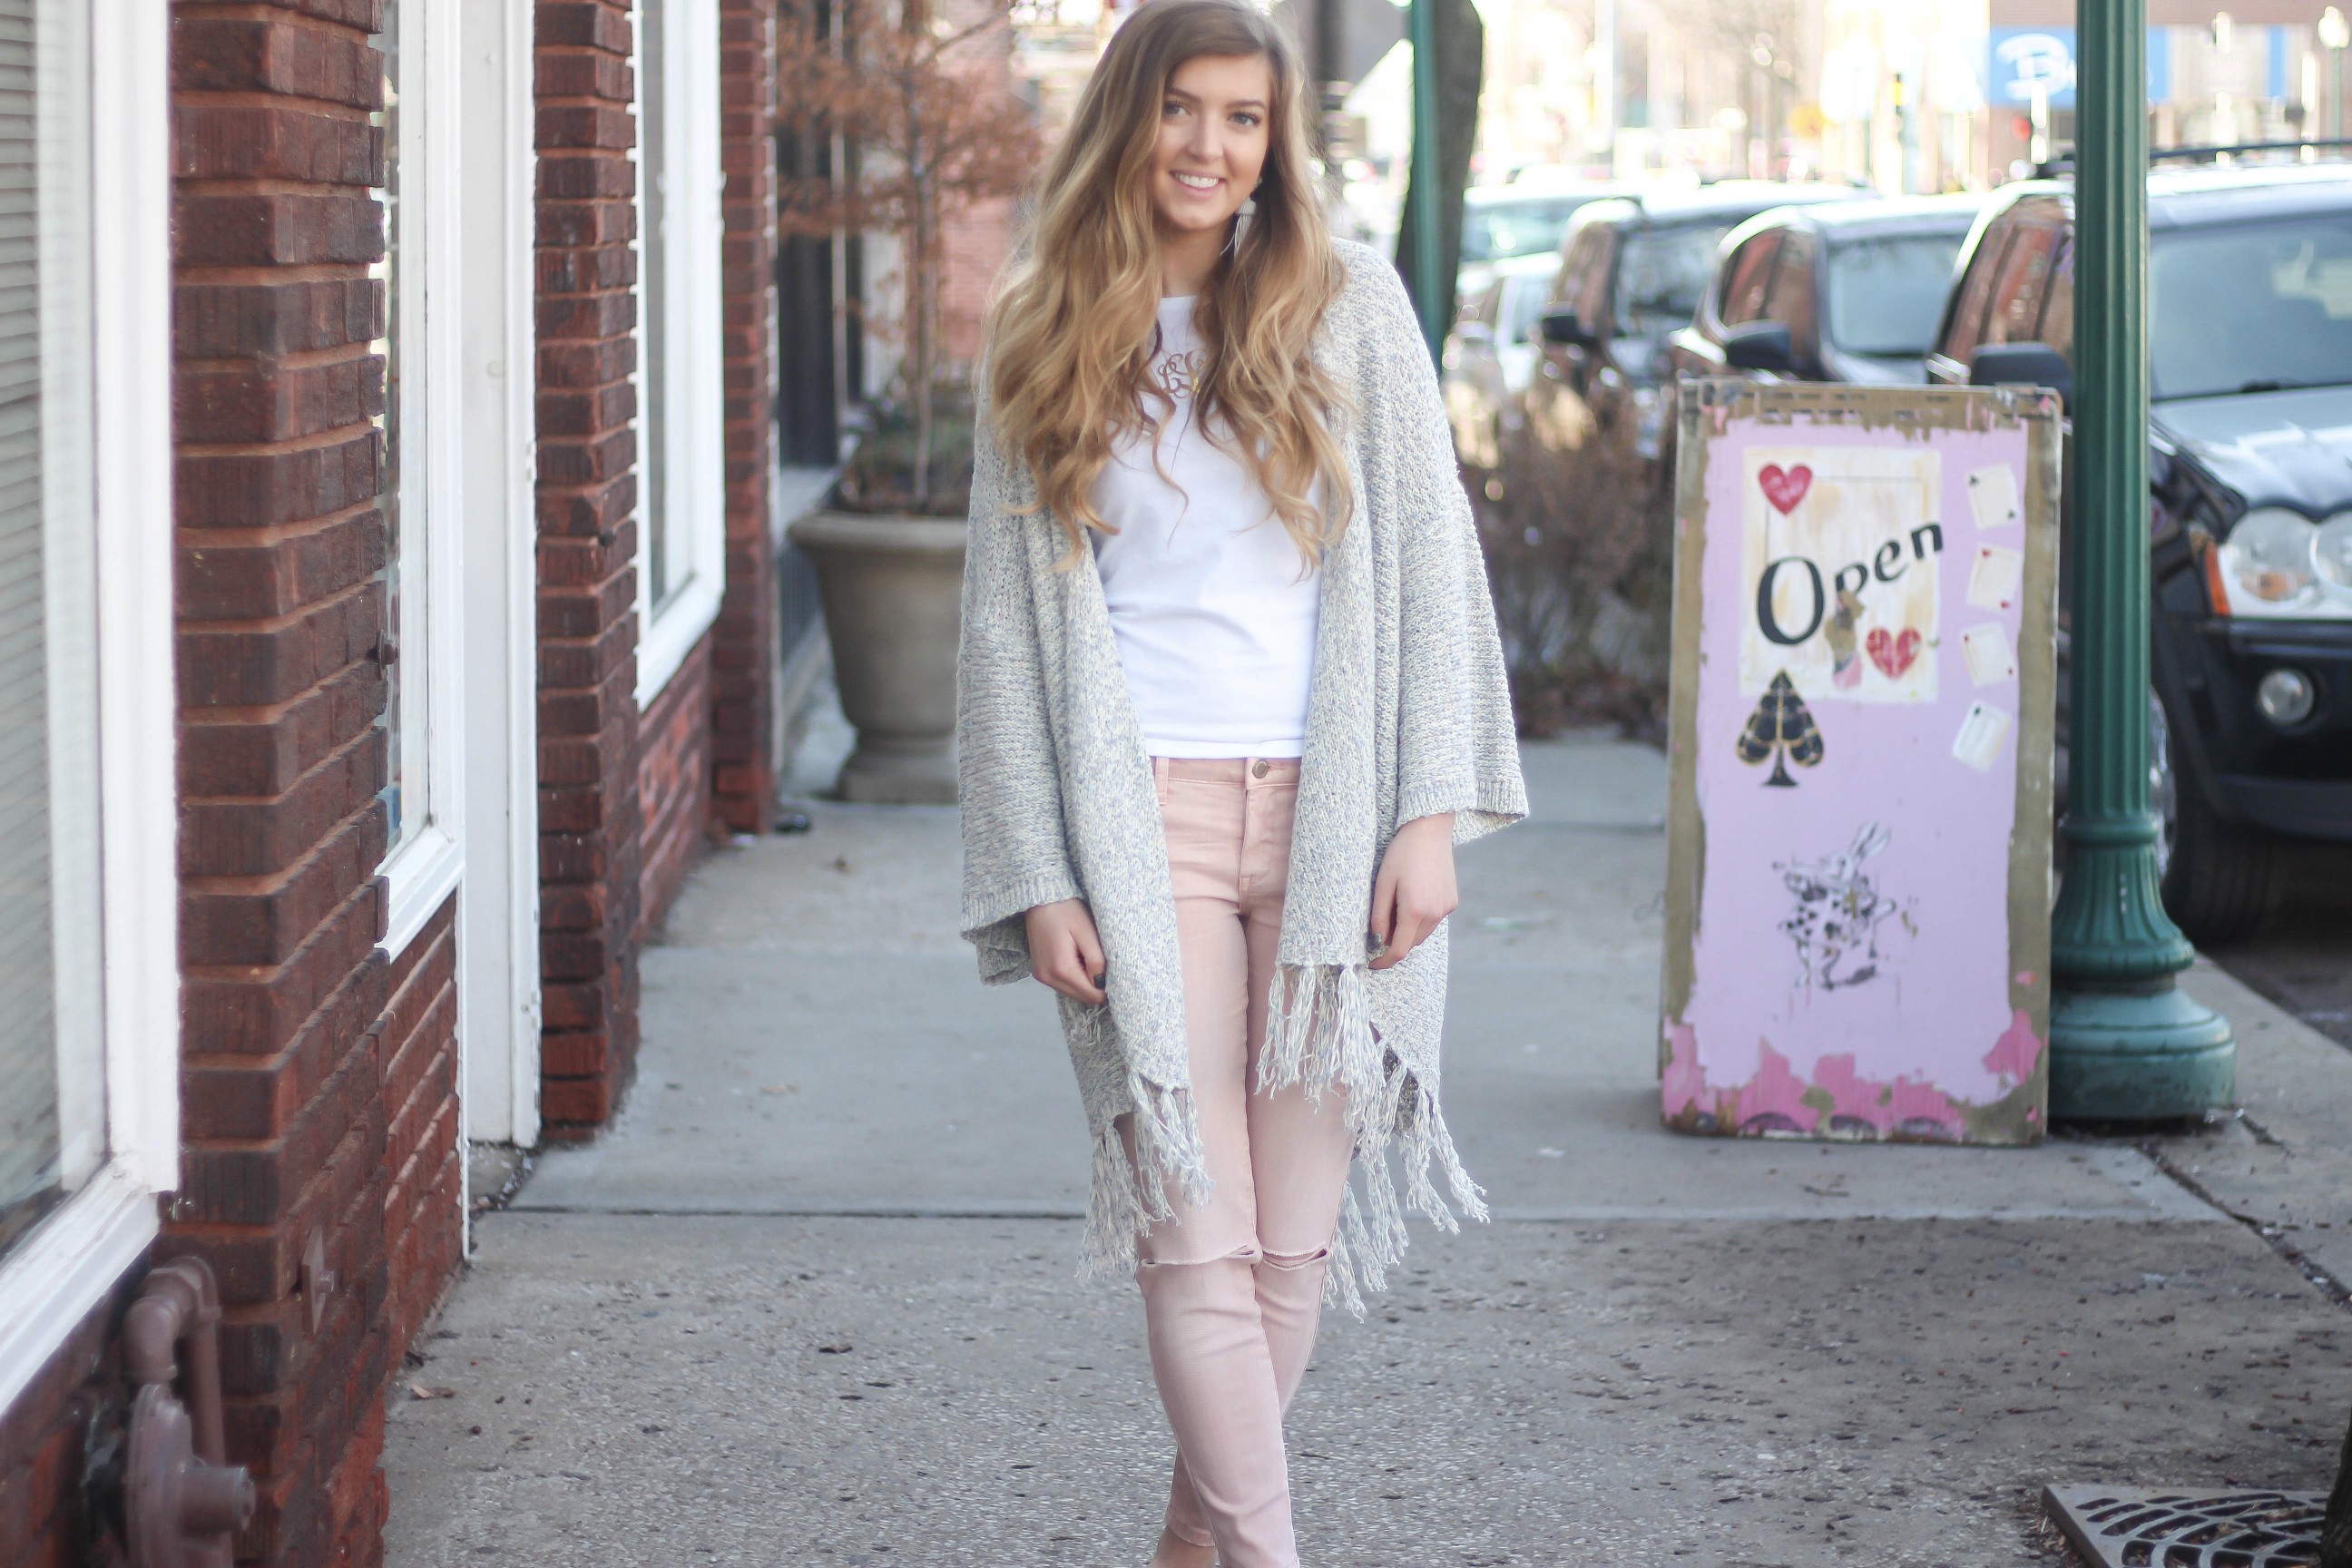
x: 1920, y: 98
x: 388, y: 614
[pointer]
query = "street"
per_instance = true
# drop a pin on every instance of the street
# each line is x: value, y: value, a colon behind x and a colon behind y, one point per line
x: 810, y: 1300
x: 2304, y: 961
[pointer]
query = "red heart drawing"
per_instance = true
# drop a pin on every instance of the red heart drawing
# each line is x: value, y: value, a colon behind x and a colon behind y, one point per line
x: 1784, y: 490
x: 1893, y: 654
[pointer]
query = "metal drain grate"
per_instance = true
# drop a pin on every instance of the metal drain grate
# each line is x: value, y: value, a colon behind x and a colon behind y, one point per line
x: 2116, y: 1526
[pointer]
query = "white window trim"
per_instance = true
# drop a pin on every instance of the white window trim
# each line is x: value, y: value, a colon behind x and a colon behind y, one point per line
x: 695, y: 467
x: 65, y: 1267
x: 498, y: 907
x: 425, y: 867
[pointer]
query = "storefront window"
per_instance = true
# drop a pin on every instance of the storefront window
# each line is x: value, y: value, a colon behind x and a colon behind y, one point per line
x: 422, y: 448
x: 52, y: 1051
x: 681, y: 452
x: 403, y: 550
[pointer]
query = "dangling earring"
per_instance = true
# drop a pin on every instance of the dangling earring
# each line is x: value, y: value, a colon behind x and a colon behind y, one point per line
x: 1241, y: 221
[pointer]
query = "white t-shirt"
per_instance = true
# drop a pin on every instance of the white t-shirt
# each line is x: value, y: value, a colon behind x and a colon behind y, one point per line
x: 1213, y: 609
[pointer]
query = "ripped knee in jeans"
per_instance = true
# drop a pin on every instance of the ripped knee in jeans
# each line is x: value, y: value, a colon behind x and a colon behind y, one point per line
x: 1248, y: 1252
x: 1291, y: 1262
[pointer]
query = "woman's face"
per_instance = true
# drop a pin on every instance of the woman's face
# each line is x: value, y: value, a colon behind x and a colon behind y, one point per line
x: 1212, y: 142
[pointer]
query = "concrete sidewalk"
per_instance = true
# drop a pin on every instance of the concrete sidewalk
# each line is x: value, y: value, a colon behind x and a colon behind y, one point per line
x: 810, y: 1300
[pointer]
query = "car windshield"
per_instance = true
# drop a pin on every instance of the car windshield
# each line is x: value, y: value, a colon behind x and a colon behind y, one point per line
x: 1886, y: 294
x: 1661, y: 276
x: 1491, y: 231
x: 2252, y: 309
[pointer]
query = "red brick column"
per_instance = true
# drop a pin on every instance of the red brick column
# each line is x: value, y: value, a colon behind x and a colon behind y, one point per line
x: 589, y: 820
x: 743, y: 644
x: 417, y: 1062
x: 278, y: 395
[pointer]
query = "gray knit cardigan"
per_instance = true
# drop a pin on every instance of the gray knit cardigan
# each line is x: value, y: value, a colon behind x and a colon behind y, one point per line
x: 1408, y: 715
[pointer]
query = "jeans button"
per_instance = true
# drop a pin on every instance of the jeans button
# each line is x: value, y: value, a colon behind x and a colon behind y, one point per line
x: 1258, y: 768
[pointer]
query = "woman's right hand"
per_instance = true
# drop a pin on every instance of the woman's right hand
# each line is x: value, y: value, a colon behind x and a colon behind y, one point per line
x: 1066, y: 951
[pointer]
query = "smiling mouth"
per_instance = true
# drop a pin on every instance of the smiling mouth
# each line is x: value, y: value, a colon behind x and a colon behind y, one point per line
x: 1202, y: 182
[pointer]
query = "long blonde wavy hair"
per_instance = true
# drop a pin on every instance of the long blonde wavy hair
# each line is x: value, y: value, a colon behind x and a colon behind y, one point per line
x: 1071, y: 333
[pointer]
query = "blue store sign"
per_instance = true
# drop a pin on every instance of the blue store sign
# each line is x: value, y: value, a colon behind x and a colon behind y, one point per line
x: 2021, y: 60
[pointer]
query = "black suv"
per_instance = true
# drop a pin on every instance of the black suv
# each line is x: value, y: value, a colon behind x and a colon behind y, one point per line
x: 2249, y: 517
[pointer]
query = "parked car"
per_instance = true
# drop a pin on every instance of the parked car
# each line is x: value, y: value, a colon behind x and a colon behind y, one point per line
x: 1490, y: 356
x: 1849, y: 291
x: 2250, y: 515
x: 1632, y: 271
x: 1503, y: 222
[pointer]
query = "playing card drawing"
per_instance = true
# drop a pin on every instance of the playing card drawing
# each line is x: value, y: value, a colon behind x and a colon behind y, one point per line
x: 1841, y: 547
x: 1782, y: 729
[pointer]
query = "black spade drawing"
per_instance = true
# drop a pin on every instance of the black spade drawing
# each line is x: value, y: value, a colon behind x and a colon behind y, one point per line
x: 1782, y: 729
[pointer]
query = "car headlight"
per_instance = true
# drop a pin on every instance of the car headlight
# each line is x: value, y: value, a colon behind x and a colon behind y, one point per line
x: 2277, y: 564
x: 2331, y: 552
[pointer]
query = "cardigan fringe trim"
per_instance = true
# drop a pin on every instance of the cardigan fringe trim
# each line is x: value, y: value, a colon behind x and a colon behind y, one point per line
x: 1320, y: 1036
x: 1128, y: 1197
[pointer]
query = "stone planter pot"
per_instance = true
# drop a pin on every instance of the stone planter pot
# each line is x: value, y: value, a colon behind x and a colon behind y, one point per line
x: 891, y: 586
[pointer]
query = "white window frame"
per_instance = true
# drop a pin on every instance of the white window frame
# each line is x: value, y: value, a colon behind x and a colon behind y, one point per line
x: 693, y: 427
x: 69, y: 1262
x: 425, y: 868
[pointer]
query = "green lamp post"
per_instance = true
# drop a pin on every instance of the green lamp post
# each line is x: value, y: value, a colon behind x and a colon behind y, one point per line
x: 2125, y: 1043
x: 1429, y: 290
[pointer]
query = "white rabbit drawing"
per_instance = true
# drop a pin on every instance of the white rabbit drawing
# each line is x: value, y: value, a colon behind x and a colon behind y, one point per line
x: 1838, y: 911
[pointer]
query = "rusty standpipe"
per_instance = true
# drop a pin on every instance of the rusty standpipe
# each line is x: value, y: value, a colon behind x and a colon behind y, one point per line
x: 183, y: 1501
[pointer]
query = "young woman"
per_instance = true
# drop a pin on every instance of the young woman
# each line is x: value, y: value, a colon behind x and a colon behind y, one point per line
x: 1230, y: 694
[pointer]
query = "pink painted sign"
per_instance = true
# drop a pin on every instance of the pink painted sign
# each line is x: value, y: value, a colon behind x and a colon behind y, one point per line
x: 1859, y: 838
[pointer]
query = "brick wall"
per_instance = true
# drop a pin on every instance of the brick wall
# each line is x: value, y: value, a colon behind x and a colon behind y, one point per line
x: 744, y: 652
x: 320, y: 1071
x: 976, y: 242
x: 673, y: 786
x: 589, y: 825
x: 317, y: 1069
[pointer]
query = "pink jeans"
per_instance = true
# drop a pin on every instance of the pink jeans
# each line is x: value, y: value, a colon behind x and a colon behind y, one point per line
x: 1232, y: 1290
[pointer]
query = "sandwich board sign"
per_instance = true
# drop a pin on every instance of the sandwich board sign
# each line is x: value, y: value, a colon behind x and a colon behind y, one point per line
x: 1858, y: 831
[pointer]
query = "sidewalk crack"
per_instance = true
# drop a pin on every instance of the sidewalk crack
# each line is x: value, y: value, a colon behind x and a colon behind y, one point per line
x: 2272, y: 1236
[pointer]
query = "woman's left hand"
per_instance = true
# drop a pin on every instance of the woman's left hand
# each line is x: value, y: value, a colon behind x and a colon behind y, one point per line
x: 1415, y: 890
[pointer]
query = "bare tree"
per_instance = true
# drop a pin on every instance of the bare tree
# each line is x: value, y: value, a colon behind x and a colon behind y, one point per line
x: 924, y: 89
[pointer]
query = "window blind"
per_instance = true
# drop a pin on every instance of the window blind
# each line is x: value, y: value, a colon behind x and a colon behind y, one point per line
x: 653, y: 140
x: 29, y: 1141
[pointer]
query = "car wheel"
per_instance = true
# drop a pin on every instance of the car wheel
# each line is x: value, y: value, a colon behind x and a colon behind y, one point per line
x: 2221, y: 881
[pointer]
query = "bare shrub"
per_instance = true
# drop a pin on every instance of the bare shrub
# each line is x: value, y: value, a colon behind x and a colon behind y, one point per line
x: 1580, y: 556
